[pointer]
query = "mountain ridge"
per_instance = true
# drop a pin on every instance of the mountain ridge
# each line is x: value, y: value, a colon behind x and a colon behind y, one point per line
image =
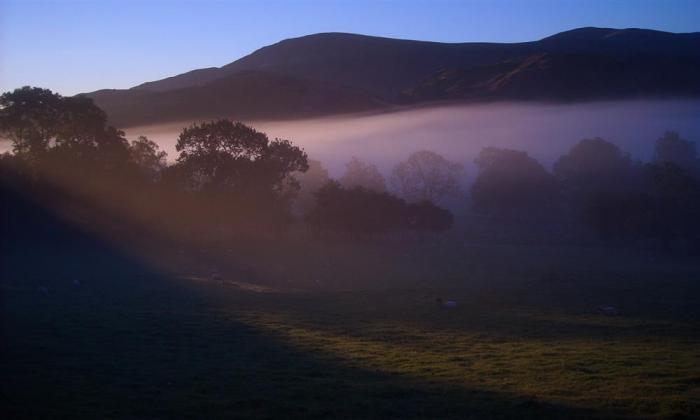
x: 368, y: 72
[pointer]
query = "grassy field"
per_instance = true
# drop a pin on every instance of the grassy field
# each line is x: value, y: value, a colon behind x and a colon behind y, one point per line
x: 525, y: 340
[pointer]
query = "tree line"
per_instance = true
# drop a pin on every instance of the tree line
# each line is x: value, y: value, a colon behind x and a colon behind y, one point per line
x: 228, y: 178
x: 623, y: 199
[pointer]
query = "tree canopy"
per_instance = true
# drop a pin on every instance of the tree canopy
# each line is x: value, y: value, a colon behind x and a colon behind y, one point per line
x: 229, y: 156
x: 427, y: 176
x: 671, y: 148
x: 148, y: 157
x: 309, y: 182
x: 30, y: 117
x: 361, y: 211
x: 46, y: 127
x: 362, y: 174
x: 593, y: 166
x: 511, y: 181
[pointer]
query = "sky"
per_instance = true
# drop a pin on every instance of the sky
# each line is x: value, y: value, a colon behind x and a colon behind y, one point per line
x: 81, y: 46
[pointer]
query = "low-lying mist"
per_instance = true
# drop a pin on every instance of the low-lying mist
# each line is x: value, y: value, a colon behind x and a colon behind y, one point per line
x: 546, y: 131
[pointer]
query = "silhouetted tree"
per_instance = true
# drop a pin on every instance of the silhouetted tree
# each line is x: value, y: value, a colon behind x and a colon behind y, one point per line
x: 510, y: 181
x: 426, y: 175
x: 425, y: 215
x: 361, y: 211
x: 230, y: 156
x: 66, y: 134
x: 674, y: 211
x: 148, y: 157
x: 238, y: 175
x: 361, y: 174
x: 666, y: 212
x: 595, y: 166
x: 29, y: 117
x: 671, y: 148
x: 309, y: 182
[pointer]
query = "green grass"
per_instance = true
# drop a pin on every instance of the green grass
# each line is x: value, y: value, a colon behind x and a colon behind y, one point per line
x: 525, y: 341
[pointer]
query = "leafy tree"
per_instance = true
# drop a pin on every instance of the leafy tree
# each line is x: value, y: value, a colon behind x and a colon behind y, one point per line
x: 361, y: 174
x: 354, y: 210
x: 671, y: 148
x: 81, y: 121
x: 148, y: 157
x: 30, y: 117
x: 361, y: 211
x: 427, y: 216
x: 667, y: 211
x: 511, y: 181
x: 309, y: 183
x: 70, y: 133
x: 595, y: 166
x: 280, y: 160
x: 229, y: 156
x: 427, y: 176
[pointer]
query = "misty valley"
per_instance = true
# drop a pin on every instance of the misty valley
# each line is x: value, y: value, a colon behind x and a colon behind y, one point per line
x: 545, y: 131
x: 485, y: 230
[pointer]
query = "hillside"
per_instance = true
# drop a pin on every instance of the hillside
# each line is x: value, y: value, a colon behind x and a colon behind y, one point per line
x: 336, y: 73
x: 249, y: 94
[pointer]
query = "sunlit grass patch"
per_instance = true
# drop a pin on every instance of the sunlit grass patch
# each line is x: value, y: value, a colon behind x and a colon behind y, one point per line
x: 139, y: 347
x: 620, y: 374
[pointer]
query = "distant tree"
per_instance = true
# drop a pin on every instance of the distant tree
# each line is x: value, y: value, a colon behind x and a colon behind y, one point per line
x: 510, y: 181
x: 667, y: 211
x: 425, y: 215
x: 617, y: 214
x: 361, y: 174
x: 354, y: 210
x: 671, y: 148
x: 427, y: 176
x: 595, y: 166
x: 148, y: 157
x: 669, y: 179
x: 309, y: 183
x: 67, y: 133
x: 29, y: 117
x: 361, y: 211
x: 675, y: 212
x: 281, y: 159
x: 231, y: 157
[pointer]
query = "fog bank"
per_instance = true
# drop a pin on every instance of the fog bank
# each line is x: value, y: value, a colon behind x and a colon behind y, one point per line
x: 546, y: 131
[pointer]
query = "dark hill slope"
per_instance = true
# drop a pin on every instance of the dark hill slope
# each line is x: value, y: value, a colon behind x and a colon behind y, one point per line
x: 246, y: 95
x: 565, y: 77
x: 334, y: 72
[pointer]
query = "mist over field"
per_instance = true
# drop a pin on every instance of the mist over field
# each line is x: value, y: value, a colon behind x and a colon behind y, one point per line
x: 545, y: 131
x: 350, y: 210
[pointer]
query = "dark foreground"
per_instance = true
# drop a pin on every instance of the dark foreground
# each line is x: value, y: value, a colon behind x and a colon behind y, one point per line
x: 134, y: 342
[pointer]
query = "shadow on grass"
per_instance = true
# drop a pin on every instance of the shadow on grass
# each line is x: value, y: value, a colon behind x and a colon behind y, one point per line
x: 488, y: 313
x: 86, y: 331
x: 170, y: 356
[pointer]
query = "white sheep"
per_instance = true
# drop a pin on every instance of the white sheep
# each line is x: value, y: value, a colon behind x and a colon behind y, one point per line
x: 216, y: 276
x: 446, y: 303
x: 608, y: 310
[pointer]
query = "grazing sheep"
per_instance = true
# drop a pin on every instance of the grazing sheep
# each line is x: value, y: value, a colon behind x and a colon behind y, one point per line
x: 608, y: 310
x: 216, y: 276
x: 446, y: 303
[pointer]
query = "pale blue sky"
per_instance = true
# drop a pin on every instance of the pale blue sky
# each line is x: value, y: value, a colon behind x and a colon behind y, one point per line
x: 78, y: 46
